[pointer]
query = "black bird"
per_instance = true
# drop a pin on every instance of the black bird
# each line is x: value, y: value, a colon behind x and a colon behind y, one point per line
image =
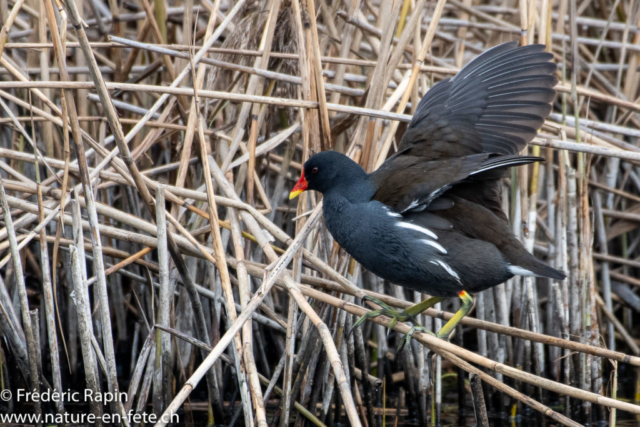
x: 430, y: 218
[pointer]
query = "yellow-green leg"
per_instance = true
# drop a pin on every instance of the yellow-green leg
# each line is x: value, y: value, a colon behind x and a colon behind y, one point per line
x: 396, y: 315
x: 467, y: 304
x: 445, y: 331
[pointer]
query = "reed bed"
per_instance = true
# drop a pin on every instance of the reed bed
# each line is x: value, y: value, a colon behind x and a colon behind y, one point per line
x: 149, y: 251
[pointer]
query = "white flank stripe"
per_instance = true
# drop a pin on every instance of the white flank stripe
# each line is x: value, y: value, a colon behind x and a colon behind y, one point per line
x: 393, y: 214
x: 418, y: 228
x: 411, y: 206
x: 436, y: 245
x: 447, y: 268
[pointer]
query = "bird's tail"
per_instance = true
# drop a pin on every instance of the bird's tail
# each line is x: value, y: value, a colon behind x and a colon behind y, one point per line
x: 535, y: 267
x: 550, y: 272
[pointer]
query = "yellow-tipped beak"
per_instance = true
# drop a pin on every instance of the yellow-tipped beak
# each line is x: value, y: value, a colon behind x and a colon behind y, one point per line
x: 300, y: 186
x: 294, y: 194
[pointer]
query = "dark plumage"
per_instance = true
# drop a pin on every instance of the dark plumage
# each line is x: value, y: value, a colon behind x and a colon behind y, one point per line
x: 430, y: 217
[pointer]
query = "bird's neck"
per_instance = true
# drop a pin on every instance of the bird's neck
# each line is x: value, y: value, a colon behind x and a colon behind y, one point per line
x: 358, y: 189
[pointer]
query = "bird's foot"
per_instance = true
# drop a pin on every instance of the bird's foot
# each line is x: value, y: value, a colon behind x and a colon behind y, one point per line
x: 407, y: 339
x: 395, y: 315
x: 443, y: 335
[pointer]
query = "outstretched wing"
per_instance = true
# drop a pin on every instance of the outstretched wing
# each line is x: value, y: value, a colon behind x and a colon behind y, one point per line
x: 495, y: 104
x: 470, y: 128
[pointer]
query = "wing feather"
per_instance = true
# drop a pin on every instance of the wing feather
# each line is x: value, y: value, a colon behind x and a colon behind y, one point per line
x: 495, y: 104
x: 468, y: 129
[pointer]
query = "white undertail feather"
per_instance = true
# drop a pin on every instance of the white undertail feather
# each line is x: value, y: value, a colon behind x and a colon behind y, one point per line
x: 517, y: 270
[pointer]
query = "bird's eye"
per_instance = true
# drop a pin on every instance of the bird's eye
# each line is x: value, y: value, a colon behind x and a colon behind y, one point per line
x: 314, y: 170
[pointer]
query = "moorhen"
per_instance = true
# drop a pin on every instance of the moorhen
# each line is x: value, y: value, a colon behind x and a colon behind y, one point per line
x: 430, y: 218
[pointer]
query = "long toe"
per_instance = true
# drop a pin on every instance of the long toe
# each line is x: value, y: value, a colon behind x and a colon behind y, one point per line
x: 395, y: 315
x: 407, y: 339
x: 367, y: 315
x: 377, y: 301
x: 398, y: 316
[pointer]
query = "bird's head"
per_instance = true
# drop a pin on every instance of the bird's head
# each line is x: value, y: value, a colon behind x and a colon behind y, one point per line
x: 327, y: 170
